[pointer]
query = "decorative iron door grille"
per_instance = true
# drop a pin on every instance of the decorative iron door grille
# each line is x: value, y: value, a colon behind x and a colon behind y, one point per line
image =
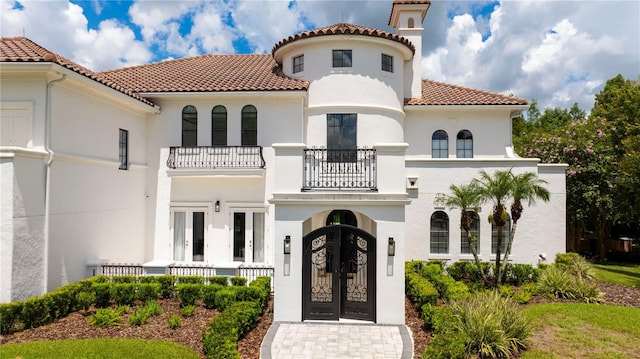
x: 339, y: 274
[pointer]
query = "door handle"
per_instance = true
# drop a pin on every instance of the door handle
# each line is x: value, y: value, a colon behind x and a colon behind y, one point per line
x: 186, y: 242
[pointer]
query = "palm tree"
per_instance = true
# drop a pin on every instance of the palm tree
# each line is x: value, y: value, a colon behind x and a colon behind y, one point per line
x: 496, y: 189
x: 467, y: 199
x: 525, y: 187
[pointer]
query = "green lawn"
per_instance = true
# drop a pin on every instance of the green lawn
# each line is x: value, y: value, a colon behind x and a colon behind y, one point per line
x: 619, y: 273
x: 97, y: 348
x: 580, y: 330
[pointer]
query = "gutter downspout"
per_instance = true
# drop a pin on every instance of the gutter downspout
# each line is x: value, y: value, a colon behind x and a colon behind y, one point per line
x: 47, y: 186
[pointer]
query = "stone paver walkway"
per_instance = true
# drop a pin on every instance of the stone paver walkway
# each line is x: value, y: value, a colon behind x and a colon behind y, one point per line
x: 336, y: 341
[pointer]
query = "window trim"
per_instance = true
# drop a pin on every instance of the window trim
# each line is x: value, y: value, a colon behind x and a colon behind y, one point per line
x: 475, y: 230
x: 506, y: 231
x: 440, y: 150
x: 220, y: 131
x: 186, y: 118
x: 245, y: 132
x: 340, y: 62
x: 123, y: 149
x: 389, y: 63
x: 461, y: 138
x: 297, y: 66
x: 442, y: 234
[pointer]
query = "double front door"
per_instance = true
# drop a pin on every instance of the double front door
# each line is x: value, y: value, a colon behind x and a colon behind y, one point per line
x: 339, y: 271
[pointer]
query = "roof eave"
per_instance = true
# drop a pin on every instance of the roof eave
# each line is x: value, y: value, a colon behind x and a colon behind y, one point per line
x: 457, y: 107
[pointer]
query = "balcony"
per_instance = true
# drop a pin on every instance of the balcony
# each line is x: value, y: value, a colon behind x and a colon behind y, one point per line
x: 352, y: 169
x: 217, y: 157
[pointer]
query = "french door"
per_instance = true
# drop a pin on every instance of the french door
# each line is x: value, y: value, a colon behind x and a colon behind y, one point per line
x: 248, y: 236
x: 189, y: 232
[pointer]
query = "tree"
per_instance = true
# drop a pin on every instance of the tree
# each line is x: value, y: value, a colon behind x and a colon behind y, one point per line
x: 577, y: 113
x: 496, y: 189
x: 525, y: 187
x: 467, y: 199
x: 533, y: 113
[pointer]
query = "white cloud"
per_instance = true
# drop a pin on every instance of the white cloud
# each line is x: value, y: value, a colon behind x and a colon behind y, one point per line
x: 591, y: 41
x: 65, y: 31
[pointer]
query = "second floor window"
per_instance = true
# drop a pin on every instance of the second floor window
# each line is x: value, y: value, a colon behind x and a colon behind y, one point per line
x: 341, y: 137
x: 342, y: 58
x: 189, y: 126
x: 464, y: 144
x: 249, y: 135
x: 298, y: 64
x: 387, y: 63
x: 219, y: 126
x: 440, y: 144
x: 123, y: 149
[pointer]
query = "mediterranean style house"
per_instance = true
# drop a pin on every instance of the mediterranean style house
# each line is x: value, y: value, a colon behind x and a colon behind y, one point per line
x: 327, y: 160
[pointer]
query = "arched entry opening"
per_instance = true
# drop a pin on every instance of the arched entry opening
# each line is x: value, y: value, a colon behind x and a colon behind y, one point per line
x: 339, y: 274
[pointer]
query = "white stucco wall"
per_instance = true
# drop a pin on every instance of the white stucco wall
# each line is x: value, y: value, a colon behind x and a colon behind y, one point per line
x: 22, y: 218
x: 97, y: 210
x: 541, y: 228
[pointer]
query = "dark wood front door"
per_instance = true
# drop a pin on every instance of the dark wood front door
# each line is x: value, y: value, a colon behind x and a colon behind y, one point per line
x: 338, y: 274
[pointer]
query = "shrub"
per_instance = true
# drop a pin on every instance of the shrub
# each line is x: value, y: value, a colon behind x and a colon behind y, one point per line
x: 85, y: 299
x: 104, y: 317
x: 191, y: 279
x: 139, y: 317
x: 147, y: 279
x: 10, y: 314
x: 567, y: 259
x: 188, y: 310
x: 224, y: 298
x: 123, y: 293
x: 253, y: 293
x: 263, y: 282
x: 167, y: 289
x: 152, y: 308
x: 461, y: 270
x: 586, y: 291
x: 446, y: 346
x: 494, y: 326
x: 103, y: 293
x: 556, y: 282
x: 455, y: 290
x: 188, y: 293
x: 221, y: 280
x: 174, y: 322
x: 209, y: 295
x: 148, y: 291
x: 238, y: 281
x: 220, y: 339
x: 520, y: 273
x: 420, y: 290
x: 506, y: 291
x: 124, y: 279
x: 522, y: 297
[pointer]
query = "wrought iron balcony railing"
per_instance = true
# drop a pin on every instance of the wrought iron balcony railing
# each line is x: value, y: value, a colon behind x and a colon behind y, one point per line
x: 352, y: 169
x: 217, y: 157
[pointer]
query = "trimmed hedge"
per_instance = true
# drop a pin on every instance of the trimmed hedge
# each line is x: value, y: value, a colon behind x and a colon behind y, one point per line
x: 221, y: 338
x: 188, y: 293
x: 221, y: 280
x: 420, y: 290
x: 43, y: 309
x: 238, y: 281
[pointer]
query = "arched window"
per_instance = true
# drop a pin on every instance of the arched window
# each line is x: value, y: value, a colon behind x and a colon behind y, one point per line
x: 189, y: 126
x: 219, y: 126
x: 475, y: 232
x: 506, y: 230
x: 410, y: 24
x: 440, y: 144
x: 439, y: 233
x: 249, y: 135
x: 464, y: 144
x: 341, y: 216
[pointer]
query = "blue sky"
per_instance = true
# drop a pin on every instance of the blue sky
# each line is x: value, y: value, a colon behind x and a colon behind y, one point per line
x: 558, y: 52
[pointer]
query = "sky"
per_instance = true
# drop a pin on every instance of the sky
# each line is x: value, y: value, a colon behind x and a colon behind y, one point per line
x: 558, y: 52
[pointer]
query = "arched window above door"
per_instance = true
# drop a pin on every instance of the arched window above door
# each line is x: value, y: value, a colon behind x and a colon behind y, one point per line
x: 341, y: 216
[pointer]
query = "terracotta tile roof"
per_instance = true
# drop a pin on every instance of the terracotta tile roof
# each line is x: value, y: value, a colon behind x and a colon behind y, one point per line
x: 441, y: 94
x: 344, y: 29
x: 408, y: 2
x: 207, y: 73
x: 21, y: 49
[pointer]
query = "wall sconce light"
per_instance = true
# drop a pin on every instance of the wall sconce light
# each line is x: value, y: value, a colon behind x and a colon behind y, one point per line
x: 287, y: 245
x: 391, y: 249
x: 217, y: 207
